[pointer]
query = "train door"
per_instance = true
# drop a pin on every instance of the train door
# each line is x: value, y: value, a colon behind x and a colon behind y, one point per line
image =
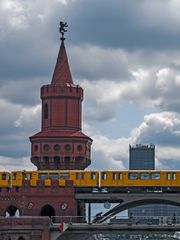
x: 5, y: 179
x: 63, y: 176
x: 80, y: 179
x: 17, y: 179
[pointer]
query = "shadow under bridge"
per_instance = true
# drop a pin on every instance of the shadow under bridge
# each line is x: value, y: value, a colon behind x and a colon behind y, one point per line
x: 128, y: 200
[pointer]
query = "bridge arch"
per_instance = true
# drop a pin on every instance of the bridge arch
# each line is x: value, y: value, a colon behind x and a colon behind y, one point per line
x: 128, y: 201
x: 12, y: 211
x: 127, y: 205
x: 47, y: 210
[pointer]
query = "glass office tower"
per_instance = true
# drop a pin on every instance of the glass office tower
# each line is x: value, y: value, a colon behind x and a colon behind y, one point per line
x: 142, y: 157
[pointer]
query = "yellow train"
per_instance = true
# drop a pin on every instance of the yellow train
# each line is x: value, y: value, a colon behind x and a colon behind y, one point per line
x: 111, y: 181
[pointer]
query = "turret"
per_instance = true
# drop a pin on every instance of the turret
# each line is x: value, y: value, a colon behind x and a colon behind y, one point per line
x: 61, y: 143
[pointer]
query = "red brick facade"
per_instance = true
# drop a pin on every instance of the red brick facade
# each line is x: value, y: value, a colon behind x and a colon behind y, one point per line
x: 25, y: 228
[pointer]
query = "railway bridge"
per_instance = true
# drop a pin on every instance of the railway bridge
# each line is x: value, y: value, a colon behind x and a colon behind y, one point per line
x: 127, y: 200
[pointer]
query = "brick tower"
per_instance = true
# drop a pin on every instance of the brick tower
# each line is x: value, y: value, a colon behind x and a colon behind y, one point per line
x: 61, y: 144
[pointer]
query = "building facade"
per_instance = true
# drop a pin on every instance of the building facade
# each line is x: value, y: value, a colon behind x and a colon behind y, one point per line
x: 142, y: 157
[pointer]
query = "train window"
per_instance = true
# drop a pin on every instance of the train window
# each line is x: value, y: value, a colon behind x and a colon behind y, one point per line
x: 133, y: 176
x: 119, y: 176
x: 104, y: 176
x: 53, y: 176
x: 93, y: 176
x: 14, y: 176
x: 43, y: 176
x: 83, y: 176
x: 168, y: 176
x: 3, y: 176
x: 114, y: 176
x: 144, y: 176
x: 155, y: 176
x: 174, y: 176
x: 64, y: 175
x: 28, y: 176
x: 78, y: 176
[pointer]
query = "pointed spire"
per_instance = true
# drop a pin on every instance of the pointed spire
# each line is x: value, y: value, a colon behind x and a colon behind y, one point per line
x: 62, y: 73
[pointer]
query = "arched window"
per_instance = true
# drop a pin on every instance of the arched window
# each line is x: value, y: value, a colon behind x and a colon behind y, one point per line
x: 12, y: 211
x: 47, y: 210
x: 57, y: 159
x: 46, y: 112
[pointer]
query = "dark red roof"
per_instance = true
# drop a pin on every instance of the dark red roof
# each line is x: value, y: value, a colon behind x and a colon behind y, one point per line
x: 62, y: 73
x: 60, y: 133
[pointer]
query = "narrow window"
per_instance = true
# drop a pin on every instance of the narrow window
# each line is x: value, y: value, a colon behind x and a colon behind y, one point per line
x: 93, y: 176
x: 83, y: 176
x: 174, y: 176
x: 46, y: 111
x: 3, y: 176
x: 168, y: 176
x: 78, y: 176
x: 28, y: 176
x: 119, y: 176
x: 114, y: 176
x: 14, y: 176
x: 104, y: 176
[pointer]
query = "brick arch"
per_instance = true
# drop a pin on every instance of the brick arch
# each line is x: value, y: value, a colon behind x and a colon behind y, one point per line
x: 11, y: 210
x: 21, y: 238
x: 47, y: 210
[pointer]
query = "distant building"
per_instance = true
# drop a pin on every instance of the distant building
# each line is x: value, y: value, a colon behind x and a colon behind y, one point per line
x: 142, y: 157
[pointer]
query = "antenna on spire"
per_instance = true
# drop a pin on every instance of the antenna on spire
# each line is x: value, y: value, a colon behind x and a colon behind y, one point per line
x: 62, y: 29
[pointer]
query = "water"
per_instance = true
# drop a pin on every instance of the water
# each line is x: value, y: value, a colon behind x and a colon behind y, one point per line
x: 130, y: 236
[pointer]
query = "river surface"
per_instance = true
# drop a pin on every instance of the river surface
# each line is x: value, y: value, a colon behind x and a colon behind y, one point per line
x: 130, y: 236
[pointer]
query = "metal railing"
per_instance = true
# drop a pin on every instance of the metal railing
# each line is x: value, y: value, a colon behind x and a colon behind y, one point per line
x: 150, y: 220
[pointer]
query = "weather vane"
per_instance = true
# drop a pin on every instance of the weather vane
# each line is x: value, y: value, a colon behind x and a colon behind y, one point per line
x: 62, y: 29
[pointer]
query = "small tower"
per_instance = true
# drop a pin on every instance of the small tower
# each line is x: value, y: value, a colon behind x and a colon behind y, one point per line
x: 61, y: 143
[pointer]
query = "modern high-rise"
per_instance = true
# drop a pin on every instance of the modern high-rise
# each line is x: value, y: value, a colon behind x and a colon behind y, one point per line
x: 142, y: 157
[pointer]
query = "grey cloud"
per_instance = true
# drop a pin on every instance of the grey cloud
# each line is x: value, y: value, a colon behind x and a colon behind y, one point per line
x: 122, y: 24
x: 159, y: 128
x: 14, y: 140
x: 99, y: 113
x: 15, y: 164
x: 101, y: 162
x: 23, y: 92
x: 94, y: 63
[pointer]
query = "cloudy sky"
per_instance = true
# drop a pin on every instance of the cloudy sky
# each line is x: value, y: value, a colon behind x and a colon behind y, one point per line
x: 124, y: 53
